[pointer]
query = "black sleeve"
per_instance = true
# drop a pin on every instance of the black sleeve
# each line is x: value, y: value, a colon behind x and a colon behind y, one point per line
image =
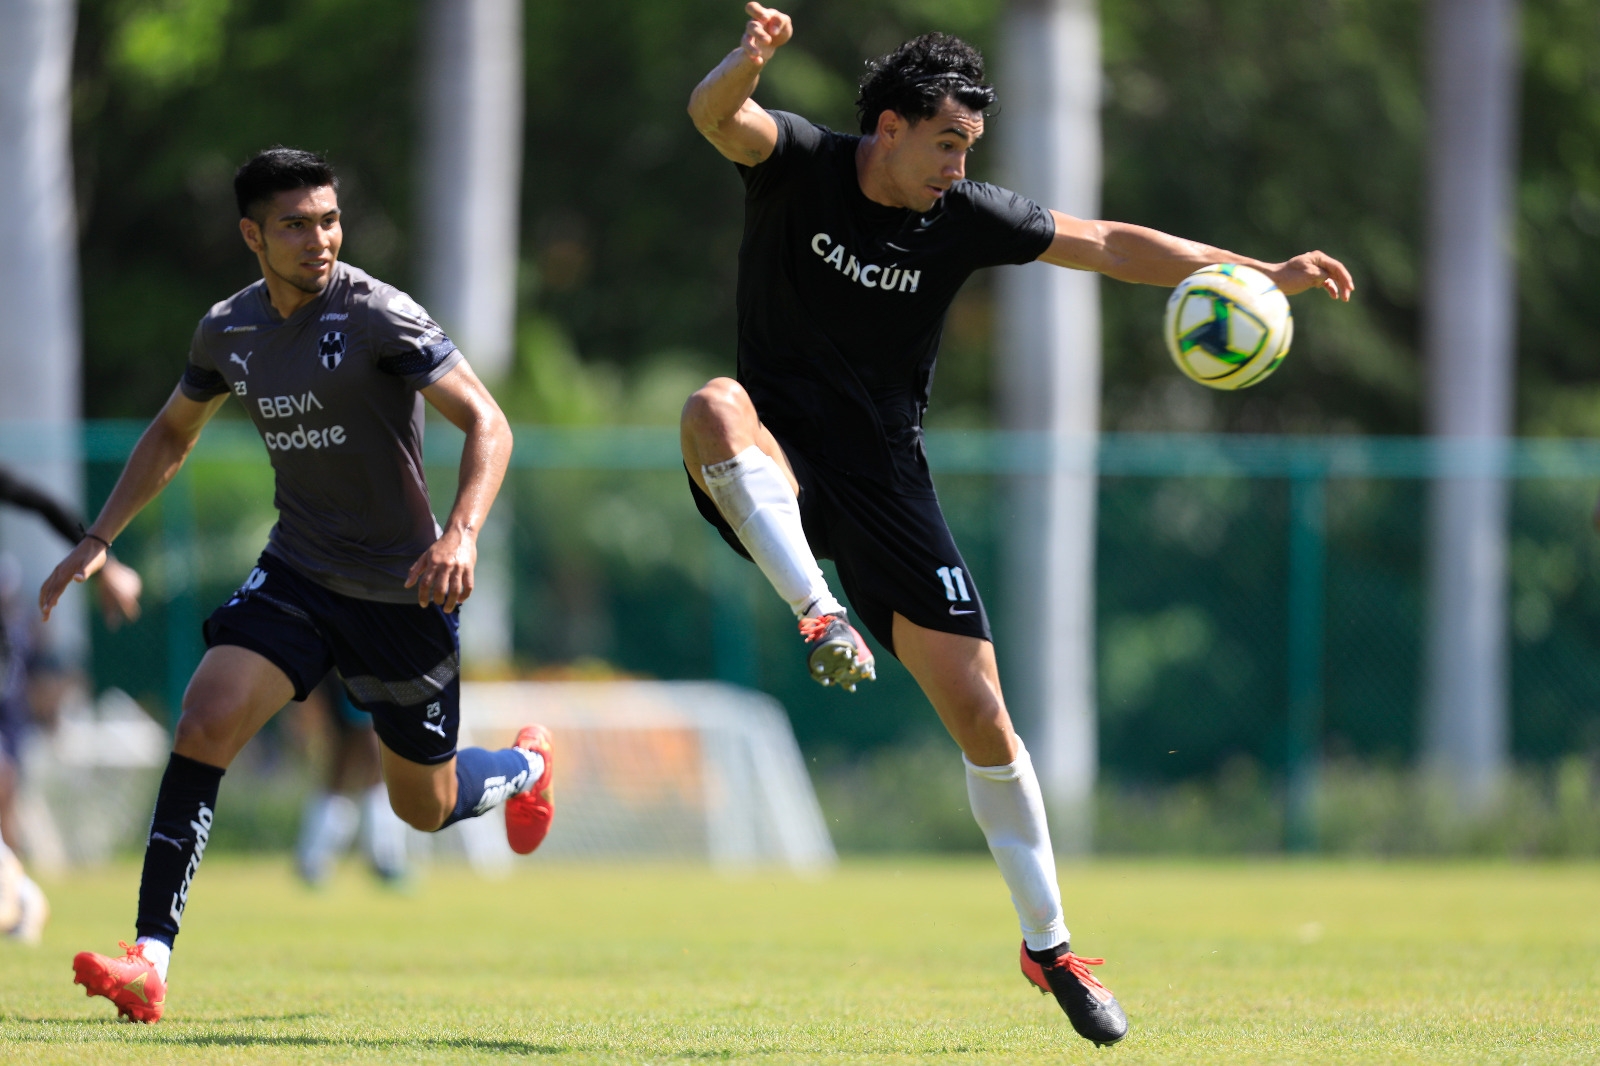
x: 26, y: 496
x: 798, y: 140
x: 1005, y: 227
x: 201, y: 380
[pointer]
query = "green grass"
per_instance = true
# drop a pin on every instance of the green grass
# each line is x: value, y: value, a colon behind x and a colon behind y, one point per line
x: 889, y: 961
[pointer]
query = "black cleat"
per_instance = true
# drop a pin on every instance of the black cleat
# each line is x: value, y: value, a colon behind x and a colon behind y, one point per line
x: 835, y: 652
x: 1090, y: 1006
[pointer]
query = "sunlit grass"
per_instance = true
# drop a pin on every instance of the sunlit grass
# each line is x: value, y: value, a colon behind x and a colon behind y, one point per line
x: 887, y: 961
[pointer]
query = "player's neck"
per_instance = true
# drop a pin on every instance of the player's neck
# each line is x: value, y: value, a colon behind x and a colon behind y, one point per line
x: 285, y: 298
x: 872, y: 174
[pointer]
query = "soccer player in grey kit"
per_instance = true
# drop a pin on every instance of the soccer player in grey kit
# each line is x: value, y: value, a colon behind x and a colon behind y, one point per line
x: 853, y: 248
x: 333, y: 367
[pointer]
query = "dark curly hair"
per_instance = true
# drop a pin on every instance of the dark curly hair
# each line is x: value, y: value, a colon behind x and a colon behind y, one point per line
x: 915, y: 78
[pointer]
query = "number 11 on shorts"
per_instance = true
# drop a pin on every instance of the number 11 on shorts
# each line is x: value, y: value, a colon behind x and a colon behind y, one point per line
x: 955, y: 584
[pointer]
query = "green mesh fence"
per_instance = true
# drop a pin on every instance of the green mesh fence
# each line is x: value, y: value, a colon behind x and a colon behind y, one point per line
x: 1256, y: 596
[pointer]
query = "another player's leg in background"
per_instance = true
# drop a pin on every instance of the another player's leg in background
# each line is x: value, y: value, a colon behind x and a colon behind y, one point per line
x: 959, y: 676
x: 739, y: 464
x: 352, y: 797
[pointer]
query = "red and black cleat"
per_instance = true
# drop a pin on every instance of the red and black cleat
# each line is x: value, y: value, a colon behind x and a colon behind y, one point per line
x: 528, y: 814
x: 835, y: 652
x: 132, y: 982
x: 1090, y: 1006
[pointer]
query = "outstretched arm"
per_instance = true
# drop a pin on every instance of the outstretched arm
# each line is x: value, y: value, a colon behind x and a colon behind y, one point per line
x: 443, y: 573
x: 720, y: 105
x: 1150, y: 257
x: 155, y: 459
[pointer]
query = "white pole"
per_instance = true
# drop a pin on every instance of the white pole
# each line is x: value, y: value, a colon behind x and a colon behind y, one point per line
x: 40, y: 349
x: 1468, y: 336
x: 472, y: 175
x: 1049, y: 341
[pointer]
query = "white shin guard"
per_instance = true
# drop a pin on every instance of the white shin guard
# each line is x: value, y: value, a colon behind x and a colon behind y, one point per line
x: 754, y: 496
x: 1009, y: 808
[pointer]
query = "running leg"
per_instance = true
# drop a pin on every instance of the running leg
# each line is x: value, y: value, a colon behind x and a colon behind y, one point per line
x: 473, y: 782
x: 232, y: 694
x: 959, y: 677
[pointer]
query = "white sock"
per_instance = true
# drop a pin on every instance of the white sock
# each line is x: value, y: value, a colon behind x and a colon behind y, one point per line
x: 535, y: 766
x: 754, y: 496
x: 1009, y: 808
x: 326, y: 830
x: 159, y: 954
x: 386, y: 834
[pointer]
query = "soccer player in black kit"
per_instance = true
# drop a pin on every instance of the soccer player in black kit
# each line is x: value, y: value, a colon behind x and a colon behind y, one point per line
x: 854, y: 247
x: 333, y: 367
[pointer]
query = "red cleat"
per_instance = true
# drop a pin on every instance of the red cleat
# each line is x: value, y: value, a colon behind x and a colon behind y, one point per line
x: 528, y: 813
x: 131, y: 982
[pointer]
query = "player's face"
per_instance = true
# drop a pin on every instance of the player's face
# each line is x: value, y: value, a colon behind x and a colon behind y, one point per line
x: 929, y: 156
x: 298, y: 238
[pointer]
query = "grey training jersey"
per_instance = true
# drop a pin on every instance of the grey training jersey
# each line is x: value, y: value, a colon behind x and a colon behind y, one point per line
x: 333, y: 391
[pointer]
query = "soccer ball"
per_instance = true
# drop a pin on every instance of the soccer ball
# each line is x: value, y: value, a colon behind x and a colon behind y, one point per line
x: 1228, y: 326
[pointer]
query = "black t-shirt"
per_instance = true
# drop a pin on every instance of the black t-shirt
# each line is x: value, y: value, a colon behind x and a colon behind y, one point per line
x: 842, y: 301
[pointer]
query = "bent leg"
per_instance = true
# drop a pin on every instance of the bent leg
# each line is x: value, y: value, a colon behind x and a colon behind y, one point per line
x: 959, y: 676
x: 738, y: 463
x: 472, y: 782
x: 719, y: 421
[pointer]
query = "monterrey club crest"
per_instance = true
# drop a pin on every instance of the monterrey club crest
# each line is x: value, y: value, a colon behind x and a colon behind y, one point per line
x: 330, y: 349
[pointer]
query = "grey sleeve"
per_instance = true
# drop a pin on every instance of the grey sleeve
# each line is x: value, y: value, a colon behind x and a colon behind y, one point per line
x: 201, y: 380
x: 407, y: 342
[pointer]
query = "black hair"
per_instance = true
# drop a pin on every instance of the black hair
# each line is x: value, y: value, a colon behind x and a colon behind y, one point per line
x: 915, y: 78
x: 279, y: 169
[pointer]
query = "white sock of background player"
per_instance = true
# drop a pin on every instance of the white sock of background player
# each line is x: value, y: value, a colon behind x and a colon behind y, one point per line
x: 754, y: 496
x: 1009, y: 808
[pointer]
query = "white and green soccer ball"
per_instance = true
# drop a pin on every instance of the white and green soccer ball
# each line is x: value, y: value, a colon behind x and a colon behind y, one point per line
x: 1228, y: 326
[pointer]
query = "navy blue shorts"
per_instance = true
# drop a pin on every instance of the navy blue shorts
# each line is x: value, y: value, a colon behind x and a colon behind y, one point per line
x: 398, y: 661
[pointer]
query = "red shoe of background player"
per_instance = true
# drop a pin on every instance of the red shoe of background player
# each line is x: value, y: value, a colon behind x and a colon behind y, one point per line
x: 131, y: 982
x: 528, y: 813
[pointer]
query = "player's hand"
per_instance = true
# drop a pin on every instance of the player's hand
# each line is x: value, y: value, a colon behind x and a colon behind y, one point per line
x: 1314, y: 270
x: 80, y: 564
x: 767, y: 31
x: 443, y: 573
x: 119, y: 587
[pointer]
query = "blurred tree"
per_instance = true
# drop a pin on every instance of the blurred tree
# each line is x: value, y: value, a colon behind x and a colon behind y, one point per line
x: 171, y: 96
x: 1267, y: 127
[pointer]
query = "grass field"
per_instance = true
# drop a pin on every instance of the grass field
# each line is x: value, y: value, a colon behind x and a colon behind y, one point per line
x: 884, y: 961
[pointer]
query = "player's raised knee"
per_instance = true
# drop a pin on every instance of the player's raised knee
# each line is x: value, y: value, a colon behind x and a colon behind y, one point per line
x: 720, y: 410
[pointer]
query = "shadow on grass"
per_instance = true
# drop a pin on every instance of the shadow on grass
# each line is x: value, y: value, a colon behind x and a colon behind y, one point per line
x: 175, y: 1033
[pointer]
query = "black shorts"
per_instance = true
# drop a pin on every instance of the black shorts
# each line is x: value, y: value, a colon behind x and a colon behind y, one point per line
x: 400, y: 662
x: 894, y: 551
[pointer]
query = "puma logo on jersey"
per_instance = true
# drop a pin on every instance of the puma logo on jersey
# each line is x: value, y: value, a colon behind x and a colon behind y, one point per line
x: 873, y: 276
x: 244, y: 363
x: 287, y: 406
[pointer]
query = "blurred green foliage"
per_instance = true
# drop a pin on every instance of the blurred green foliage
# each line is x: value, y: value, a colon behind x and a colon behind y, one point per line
x: 1267, y: 127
